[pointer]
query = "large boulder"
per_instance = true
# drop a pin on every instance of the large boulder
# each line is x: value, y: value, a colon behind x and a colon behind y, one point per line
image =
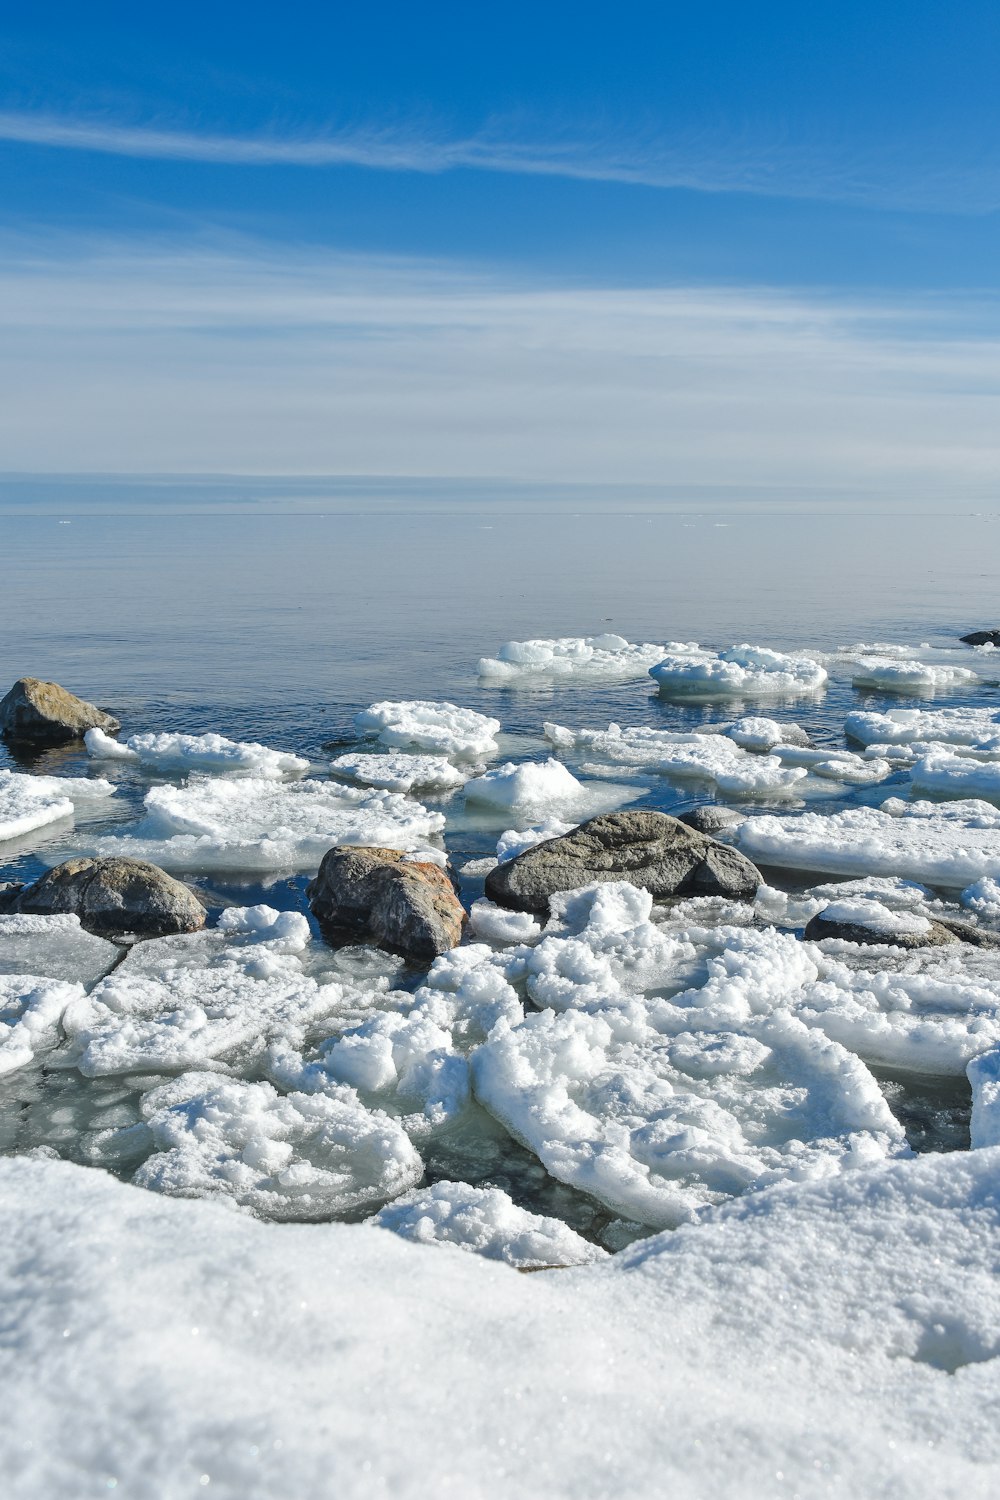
x: 43, y: 713
x: 408, y: 906
x: 115, y: 897
x: 890, y: 931
x: 647, y: 849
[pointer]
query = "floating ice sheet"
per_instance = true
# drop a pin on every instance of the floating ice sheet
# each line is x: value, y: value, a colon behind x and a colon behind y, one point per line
x: 301, y: 1156
x: 950, y: 775
x: 531, y: 789
x: 28, y: 803
x: 31, y: 1009
x: 400, y: 773
x: 975, y: 727
x: 742, y: 671
x: 486, y: 1222
x: 56, y: 947
x: 708, y: 757
x: 196, y: 752
x: 255, y: 824
x: 950, y: 845
x: 441, y: 728
x: 583, y: 658
x: 910, y: 676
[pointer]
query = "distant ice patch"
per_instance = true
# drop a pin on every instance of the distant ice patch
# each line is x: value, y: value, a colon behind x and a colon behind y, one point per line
x: 909, y: 676
x: 574, y: 657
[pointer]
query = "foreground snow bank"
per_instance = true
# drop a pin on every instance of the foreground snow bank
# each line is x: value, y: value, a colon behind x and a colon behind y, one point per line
x: 168, y: 1348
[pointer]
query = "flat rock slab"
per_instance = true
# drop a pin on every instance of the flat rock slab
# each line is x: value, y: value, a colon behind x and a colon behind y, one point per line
x: 648, y: 849
x: 114, y: 897
x: 405, y: 905
x: 43, y: 713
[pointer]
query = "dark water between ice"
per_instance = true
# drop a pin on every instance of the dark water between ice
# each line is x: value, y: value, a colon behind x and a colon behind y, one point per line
x: 279, y: 626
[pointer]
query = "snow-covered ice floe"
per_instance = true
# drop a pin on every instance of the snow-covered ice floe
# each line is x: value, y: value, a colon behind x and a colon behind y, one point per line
x: 575, y: 657
x: 293, y: 1156
x: 950, y: 844
x: 843, y: 1334
x: 910, y: 676
x: 440, y: 728
x: 707, y: 757
x: 978, y: 728
x: 250, y: 823
x: 530, y: 789
x: 487, y: 1222
x: 401, y: 772
x: 195, y: 752
x: 28, y: 803
x: 742, y: 671
x: 31, y: 1009
x: 56, y: 947
x: 949, y: 775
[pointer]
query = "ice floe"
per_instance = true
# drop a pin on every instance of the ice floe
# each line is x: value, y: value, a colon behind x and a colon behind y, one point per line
x: 530, y: 789
x: 55, y: 947
x: 29, y: 803
x: 742, y: 671
x: 486, y: 1222
x: 707, y: 757
x: 581, y: 657
x: 440, y: 728
x: 951, y: 844
x: 297, y: 1156
x: 400, y: 773
x: 255, y: 824
x: 975, y: 727
x: 946, y: 774
x: 31, y: 1009
x: 196, y: 752
x: 495, y: 924
x: 909, y: 676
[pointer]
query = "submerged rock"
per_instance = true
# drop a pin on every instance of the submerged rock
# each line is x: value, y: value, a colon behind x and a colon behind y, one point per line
x: 982, y: 638
x: 46, y: 714
x: 115, y: 896
x: 711, y: 820
x: 921, y: 933
x: 648, y: 849
x: 405, y: 905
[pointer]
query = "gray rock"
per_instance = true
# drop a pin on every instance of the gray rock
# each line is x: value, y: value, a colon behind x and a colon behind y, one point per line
x: 646, y: 849
x: 968, y: 932
x: 407, y: 906
x: 9, y: 892
x: 819, y: 927
x: 982, y: 638
x: 114, y: 897
x: 43, y: 713
x: 712, y: 820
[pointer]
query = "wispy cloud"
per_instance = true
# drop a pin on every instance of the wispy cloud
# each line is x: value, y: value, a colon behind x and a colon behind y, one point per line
x: 236, y: 359
x: 924, y: 175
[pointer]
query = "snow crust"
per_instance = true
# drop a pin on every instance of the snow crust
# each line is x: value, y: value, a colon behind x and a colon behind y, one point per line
x: 581, y: 657
x: 196, y: 752
x: 400, y: 773
x: 255, y: 824
x: 487, y: 1222
x: 950, y: 845
x: 441, y: 728
x: 841, y: 1333
x: 28, y: 803
x: 742, y: 671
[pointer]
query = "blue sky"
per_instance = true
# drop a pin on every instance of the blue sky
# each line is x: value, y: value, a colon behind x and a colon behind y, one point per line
x: 332, y: 238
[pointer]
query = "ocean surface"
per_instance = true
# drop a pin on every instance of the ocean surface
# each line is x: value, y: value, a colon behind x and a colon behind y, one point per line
x: 279, y: 624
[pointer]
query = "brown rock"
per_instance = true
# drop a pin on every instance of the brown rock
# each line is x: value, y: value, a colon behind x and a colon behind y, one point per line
x: 46, y: 714
x: 114, y: 897
x: 407, y: 906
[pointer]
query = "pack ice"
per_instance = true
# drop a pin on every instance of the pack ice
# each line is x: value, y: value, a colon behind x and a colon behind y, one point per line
x: 581, y: 657
x: 56, y: 947
x: 441, y: 728
x: 400, y: 773
x: 195, y: 752
x: 31, y: 1009
x: 250, y: 823
x: 742, y: 671
x: 28, y: 803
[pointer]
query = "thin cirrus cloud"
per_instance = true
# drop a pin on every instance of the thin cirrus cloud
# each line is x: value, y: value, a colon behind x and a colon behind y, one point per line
x: 231, y: 358
x: 922, y: 176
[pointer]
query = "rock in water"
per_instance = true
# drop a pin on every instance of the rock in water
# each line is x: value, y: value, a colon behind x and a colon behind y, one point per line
x: 711, y: 819
x: 982, y: 638
x: 648, y: 849
x: 115, y: 896
x: 46, y: 714
x: 405, y: 905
